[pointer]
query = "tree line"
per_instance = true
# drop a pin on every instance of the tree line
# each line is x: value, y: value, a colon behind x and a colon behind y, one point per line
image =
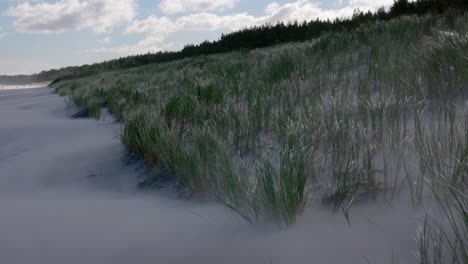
x: 254, y: 37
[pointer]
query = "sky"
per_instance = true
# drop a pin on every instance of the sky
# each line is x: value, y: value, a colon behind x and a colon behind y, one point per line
x: 38, y: 35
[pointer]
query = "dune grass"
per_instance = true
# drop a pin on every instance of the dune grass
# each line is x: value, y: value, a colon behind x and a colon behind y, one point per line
x: 376, y: 111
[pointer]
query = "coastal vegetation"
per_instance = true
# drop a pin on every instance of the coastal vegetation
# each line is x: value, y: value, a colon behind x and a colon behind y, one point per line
x: 375, y: 112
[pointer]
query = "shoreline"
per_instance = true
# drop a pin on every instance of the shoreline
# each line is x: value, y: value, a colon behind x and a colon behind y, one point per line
x: 24, y: 86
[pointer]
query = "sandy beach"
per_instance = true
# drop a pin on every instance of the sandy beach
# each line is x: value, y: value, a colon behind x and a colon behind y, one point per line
x: 20, y: 87
x: 67, y: 196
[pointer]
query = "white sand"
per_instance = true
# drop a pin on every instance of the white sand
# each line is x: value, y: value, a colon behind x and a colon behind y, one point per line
x: 25, y: 86
x: 67, y: 197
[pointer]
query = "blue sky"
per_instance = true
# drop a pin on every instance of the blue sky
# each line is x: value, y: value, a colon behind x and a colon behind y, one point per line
x: 38, y: 35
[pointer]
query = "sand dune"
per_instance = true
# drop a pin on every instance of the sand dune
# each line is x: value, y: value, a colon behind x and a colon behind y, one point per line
x: 66, y: 196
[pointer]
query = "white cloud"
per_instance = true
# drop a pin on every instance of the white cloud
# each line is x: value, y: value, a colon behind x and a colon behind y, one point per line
x: 2, y: 33
x: 157, y: 29
x: 370, y: 4
x: 67, y: 15
x: 301, y: 10
x: 105, y: 40
x: 144, y: 46
x: 181, y: 6
x: 163, y: 26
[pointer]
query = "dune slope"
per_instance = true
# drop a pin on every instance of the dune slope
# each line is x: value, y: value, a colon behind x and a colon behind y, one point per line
x: 66, y: 196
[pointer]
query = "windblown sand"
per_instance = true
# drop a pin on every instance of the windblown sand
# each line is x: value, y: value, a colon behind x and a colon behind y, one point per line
x: 67, y: 196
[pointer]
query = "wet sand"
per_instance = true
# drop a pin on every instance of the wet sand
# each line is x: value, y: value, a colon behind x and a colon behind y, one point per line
x: 67, y: 196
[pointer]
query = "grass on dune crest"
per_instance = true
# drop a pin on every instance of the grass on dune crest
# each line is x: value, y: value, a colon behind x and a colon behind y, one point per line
x: 379, y: 110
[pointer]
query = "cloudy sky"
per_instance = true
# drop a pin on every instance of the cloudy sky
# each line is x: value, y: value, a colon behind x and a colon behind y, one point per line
x: 37, y: 35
